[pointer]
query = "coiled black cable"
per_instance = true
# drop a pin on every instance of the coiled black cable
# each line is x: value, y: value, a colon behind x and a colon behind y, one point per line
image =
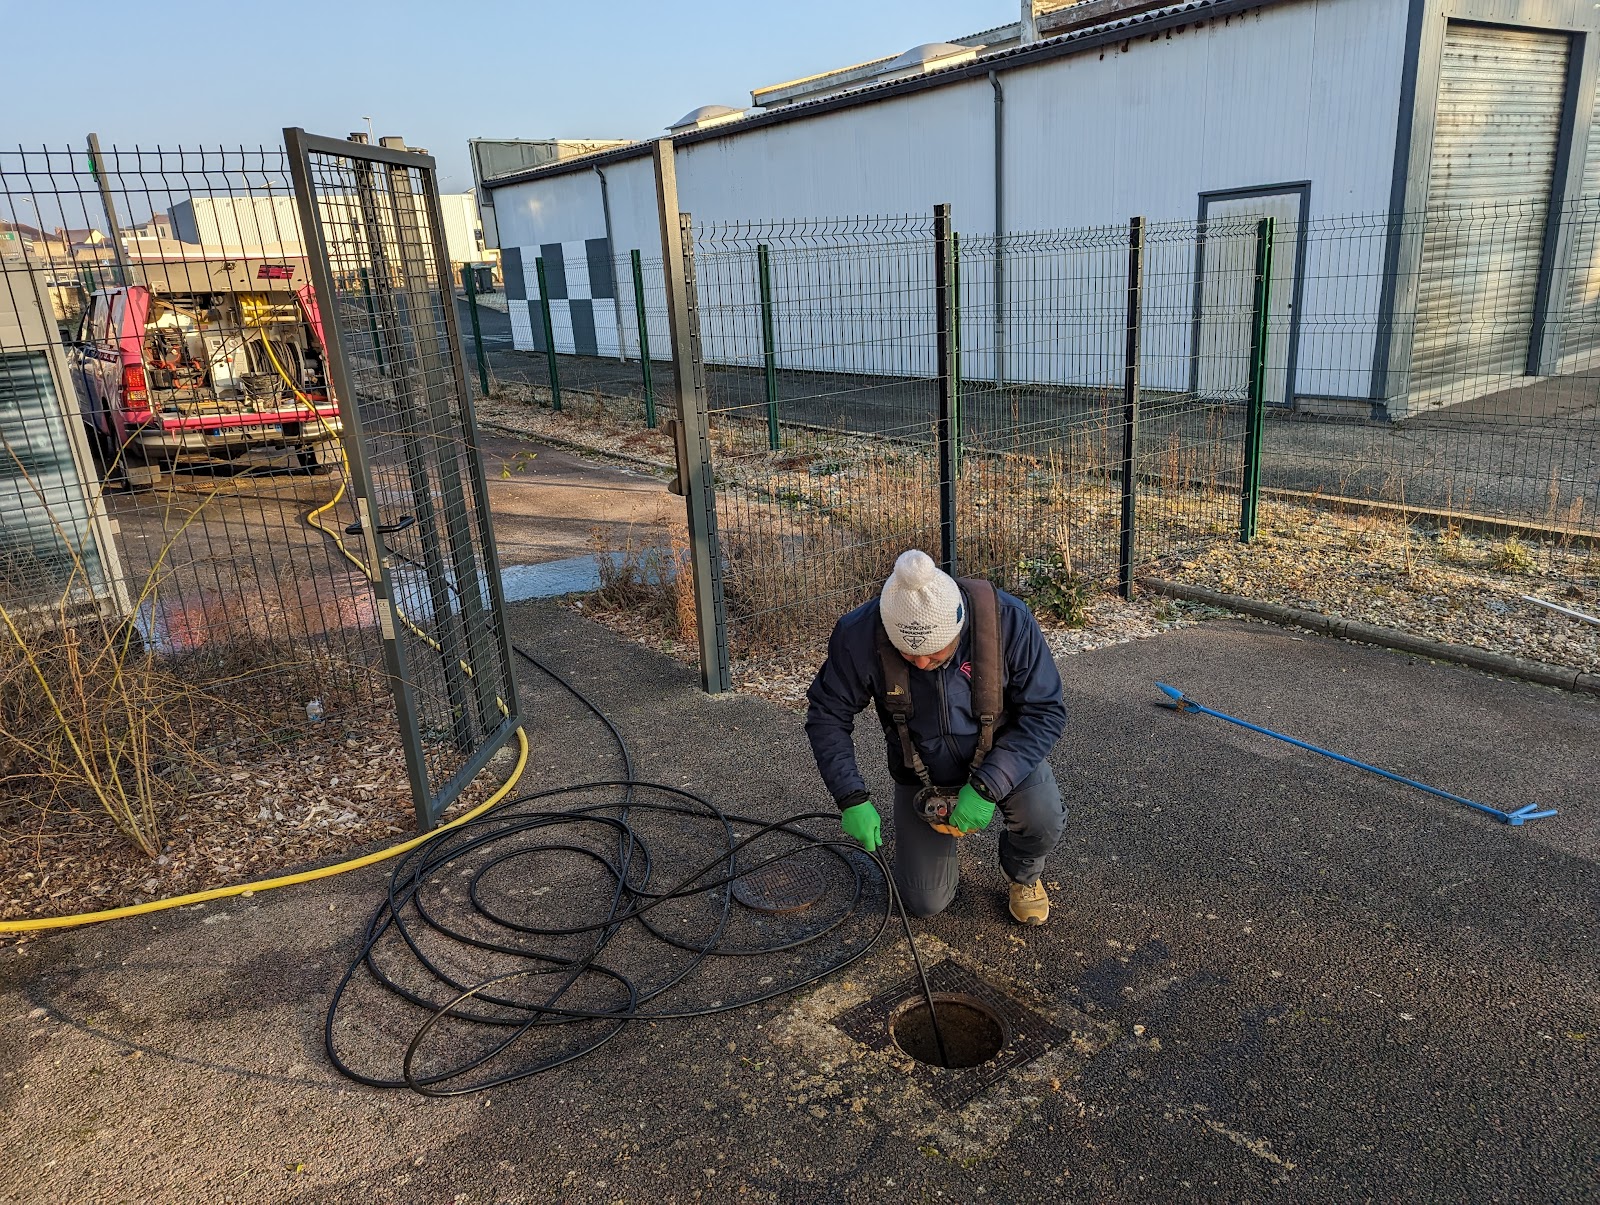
x: 547, y: 991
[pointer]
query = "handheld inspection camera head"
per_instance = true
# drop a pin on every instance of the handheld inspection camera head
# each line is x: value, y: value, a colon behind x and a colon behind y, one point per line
x: 934, y: 805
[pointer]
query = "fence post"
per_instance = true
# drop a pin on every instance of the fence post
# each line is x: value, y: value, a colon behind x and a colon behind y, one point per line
x: 1130, y: 409
x: 469, y: 282
x: 372, y: 317
x: 955, y: 301
x: 691, y: 426
x: 549, y: 334
x: 1250, y: 500
x: 97, y: 165
x: 944, y: 349
x: 769, y: 348
x: 644, y: 340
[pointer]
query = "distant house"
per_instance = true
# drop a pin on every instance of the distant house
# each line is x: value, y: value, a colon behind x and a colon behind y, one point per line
x: 20, y: 242
x: 157, y: 229
x: 85, y: 246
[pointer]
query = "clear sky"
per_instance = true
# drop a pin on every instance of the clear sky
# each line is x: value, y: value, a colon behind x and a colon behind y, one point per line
x: 182, y: 72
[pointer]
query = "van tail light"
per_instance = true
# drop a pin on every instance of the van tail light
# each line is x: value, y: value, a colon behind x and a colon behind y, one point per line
x: 134, y: 388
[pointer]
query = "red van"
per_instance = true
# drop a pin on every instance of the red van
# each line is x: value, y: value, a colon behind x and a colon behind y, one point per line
x: 206, y: 361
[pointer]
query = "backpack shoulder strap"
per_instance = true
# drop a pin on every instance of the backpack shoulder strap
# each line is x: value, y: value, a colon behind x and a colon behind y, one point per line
x: 988, y: 662
x: 897, y: 698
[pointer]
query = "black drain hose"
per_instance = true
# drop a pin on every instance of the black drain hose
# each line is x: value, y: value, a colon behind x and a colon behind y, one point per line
x: 485, y: 1002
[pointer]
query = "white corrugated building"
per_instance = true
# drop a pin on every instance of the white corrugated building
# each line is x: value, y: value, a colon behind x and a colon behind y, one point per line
x: 254, y: 221
x: 1086, y: 115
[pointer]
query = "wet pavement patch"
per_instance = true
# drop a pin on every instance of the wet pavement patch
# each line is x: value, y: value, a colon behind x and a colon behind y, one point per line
x: 987, y: 1034
x: 551, y: 579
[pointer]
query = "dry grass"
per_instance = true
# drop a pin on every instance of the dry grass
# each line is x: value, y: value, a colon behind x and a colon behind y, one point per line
x: 1440, y: 582
x: 649, y: 576
x: 806, y: 538
x: 812, y: 530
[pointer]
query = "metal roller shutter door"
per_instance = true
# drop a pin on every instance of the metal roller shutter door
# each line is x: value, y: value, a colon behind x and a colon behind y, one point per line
x: 45, y: 543
x: 1496, y: 133
x: 1581, y: 329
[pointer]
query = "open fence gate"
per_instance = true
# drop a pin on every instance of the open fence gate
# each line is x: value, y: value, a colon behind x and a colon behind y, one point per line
x: 374, y: 239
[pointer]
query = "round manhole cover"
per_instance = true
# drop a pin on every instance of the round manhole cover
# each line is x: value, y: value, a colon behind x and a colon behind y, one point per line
x: 973, y: 1033
x: 785, y: 886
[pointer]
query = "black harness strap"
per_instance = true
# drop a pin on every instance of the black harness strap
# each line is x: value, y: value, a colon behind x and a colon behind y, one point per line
x: 988, y: 663
x: 897, y: 700
x: 988, y: 677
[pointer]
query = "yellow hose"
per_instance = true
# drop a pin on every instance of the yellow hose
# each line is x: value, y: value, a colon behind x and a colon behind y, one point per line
x: 323, y: 872
x: 312, y: 517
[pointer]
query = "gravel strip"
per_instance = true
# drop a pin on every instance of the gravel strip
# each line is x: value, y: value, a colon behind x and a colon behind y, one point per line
x: 584, y: 424
x: 1445, y: 585
x: 1367, y: 633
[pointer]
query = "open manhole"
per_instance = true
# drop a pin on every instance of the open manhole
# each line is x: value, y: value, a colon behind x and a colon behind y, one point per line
x: 786, y: 886
x: 969, y: 1033
x: 987, y: 1033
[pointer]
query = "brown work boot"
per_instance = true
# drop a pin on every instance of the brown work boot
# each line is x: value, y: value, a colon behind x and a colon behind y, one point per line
x: 1029, y: 903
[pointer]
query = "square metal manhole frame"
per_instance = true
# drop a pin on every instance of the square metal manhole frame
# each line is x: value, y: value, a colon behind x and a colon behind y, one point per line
x: 1031, y: 1035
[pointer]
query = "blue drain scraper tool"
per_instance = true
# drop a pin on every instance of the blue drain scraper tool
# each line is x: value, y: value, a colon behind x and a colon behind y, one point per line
x: 1181, y: 702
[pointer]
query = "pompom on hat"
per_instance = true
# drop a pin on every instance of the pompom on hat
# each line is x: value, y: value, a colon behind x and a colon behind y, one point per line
x: 921, y: 605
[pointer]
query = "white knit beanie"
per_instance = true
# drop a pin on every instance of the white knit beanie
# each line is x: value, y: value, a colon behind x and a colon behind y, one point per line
x: 921, y: 605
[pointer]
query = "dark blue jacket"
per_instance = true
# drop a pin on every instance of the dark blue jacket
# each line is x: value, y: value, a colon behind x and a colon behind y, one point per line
x: 943, y: 726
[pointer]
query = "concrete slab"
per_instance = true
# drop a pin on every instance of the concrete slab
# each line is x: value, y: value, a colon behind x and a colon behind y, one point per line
x: 1291, y: 981
x: 550, y: 504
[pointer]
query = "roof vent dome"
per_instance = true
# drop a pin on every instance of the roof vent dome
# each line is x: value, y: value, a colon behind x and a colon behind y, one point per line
x: 930, y: 56
x: 706, y: 115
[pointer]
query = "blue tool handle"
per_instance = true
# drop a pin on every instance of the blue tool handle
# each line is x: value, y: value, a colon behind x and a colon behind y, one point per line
x: 1522, y: 814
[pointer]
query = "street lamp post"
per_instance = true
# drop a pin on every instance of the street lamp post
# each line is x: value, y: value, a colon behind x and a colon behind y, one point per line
x: 38, y: 225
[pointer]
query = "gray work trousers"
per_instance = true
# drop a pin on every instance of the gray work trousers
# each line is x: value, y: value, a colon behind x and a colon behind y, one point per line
x: 927, y: 864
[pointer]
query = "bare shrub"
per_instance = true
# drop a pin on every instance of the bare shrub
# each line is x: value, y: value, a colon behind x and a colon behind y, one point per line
x: 92, y: 717
x: 89, y: 718
x: 823, y: 533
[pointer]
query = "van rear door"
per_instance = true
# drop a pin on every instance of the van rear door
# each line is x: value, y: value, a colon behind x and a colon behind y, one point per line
x: 98, y: 357
x: 128, y: 314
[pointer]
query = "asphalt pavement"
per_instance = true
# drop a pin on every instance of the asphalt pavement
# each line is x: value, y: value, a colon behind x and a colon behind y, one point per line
x: 1284, y: 979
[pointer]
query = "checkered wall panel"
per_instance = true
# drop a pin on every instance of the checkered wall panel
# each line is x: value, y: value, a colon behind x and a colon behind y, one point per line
x: 582, y: 289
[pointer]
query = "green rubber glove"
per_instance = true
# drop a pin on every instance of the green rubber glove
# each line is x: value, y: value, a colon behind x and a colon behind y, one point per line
x: 972, y: 810
x: 861, y: 824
